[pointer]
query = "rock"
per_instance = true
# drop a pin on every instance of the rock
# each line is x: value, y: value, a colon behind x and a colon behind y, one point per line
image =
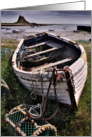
x: 16, y: 31
x: 75, y: 30
x: 21, y: 19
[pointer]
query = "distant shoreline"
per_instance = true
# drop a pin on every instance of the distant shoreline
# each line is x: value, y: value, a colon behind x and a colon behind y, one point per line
x: 31, y: 24
x: 35, y: 24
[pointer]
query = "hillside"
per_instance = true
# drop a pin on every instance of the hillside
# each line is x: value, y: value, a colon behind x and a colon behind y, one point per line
x: 22, y: 22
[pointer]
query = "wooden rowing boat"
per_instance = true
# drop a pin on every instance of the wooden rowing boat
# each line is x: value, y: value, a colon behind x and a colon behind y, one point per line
x: 36, y: 56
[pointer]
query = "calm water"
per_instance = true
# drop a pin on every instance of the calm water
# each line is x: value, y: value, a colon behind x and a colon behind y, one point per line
x: 42, y: 28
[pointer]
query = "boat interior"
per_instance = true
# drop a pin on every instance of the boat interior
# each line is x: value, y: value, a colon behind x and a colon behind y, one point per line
x: 46, y: 51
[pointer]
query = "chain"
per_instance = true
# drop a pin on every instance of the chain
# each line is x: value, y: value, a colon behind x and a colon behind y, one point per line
x: 54, y: 84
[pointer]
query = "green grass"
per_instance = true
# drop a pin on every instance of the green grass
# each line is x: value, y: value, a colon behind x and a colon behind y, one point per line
x: 9, y: 43
x: 77, y: 123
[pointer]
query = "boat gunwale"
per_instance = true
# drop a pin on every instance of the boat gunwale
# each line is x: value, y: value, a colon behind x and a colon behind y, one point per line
x: 60, y: 38
x: 81, y: 60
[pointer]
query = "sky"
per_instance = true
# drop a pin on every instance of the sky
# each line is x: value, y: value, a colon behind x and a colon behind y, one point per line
x: 52, y: 17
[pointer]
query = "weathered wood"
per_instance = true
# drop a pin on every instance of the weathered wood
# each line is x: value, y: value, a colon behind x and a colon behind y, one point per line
x: 39, y: 53
x: 78, y: 90
x: 79, y: 84
x: 64, y: 94
x: 15, y: 108
x: 23, y: 120
x: 71, y: 90
x: 77, y: 87
x: 83, y: 70
x: 61, y: 91
x: 54, y: 44
x: 45, y: 84
x: 80, y: 79
x: 14, y: 126
x: 77, y: 65
x: 48, y: 42
x: 53, y: 64
x: 61, y: 86
x: 10, y: 122
x: 77, y: 68
x: 78, y: 93
x: 22, y: 111
x: 34, y: 46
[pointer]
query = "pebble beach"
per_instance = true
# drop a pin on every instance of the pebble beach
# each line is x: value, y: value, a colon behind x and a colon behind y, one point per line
x: 68, y: 32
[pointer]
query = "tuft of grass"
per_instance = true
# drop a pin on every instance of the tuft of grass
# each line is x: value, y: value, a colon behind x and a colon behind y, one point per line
x: 9, y: 43
x: 77, y: 123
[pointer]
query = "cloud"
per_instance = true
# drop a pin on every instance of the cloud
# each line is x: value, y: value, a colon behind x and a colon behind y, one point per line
x: 48, y: 16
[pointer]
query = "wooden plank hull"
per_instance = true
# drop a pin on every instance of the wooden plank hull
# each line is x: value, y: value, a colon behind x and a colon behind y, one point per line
x: 79, y: 81
x: 78, y: 69
x: 61, y: 88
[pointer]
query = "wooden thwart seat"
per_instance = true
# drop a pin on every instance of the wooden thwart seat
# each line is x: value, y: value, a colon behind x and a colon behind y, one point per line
x: 37, y: 45
x: 49, y: 43
x: 38, y: 53
x: 34, y: 46
x: 41, y: 52
x: 52, y: 64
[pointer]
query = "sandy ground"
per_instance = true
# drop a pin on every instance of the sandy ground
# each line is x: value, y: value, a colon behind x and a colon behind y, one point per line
x: 78, y: 35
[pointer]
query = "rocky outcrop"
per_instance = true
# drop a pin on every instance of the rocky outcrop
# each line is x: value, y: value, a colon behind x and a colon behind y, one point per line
x: 22, y: 22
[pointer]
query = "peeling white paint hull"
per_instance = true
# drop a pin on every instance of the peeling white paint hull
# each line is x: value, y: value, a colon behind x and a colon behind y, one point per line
x: 61, y: 88
x: 78, y: 69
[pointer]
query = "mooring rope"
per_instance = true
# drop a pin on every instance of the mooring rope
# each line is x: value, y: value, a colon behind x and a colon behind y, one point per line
x: 34, y: 89
x: 40, y: 106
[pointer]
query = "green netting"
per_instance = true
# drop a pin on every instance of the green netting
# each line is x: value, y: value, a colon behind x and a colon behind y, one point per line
x: 2, y: 81
x: 10, y: 129
x: 16, y: 117
x: 45, y: 133
x: 29, y: 129
x: 4, y: 89
x: 27, y: 126
x: 2, y: 53
x: 8, y: 50
x: 5, y: 51
x: 40, y: 123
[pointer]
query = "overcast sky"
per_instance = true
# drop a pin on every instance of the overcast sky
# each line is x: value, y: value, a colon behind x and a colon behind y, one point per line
x: 53, y: 17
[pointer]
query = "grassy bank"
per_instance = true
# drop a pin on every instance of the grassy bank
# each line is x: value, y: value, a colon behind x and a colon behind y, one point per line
x: 77, y: 123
